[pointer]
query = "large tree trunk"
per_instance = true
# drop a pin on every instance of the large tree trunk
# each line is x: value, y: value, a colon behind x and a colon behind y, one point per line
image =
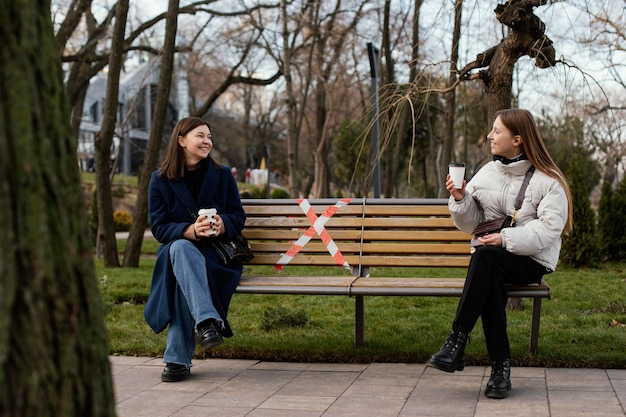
x: 322, y: 177
x: 140, y: 214
x: 53, y: 343
x: 106, y: 229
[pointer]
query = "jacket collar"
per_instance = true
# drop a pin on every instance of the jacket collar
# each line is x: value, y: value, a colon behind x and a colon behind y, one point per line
x: 514, y: 168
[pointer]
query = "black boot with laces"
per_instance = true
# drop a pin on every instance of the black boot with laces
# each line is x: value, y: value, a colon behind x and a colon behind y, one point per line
x: 499, y: 383
x: 451, y: 357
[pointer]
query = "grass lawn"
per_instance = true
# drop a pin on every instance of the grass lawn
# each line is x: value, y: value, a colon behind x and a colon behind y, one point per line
x: 582, y: 325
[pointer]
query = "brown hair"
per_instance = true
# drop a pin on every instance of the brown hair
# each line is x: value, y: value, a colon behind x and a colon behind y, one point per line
x: 173, y: 164
x: 521, y: 122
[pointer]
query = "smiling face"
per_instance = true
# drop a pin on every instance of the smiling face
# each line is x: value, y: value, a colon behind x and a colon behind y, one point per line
x: 196, y: 144
x: 503, y: 142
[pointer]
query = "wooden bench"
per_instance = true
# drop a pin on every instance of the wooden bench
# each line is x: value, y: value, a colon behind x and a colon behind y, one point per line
x: 369, y: 233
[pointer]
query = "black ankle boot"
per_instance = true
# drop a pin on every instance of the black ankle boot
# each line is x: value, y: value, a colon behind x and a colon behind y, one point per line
x: 499, y: 384
x: 451, y: 357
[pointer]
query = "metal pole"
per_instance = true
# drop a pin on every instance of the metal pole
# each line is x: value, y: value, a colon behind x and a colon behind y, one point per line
x: 373, y: 54
x: 267, y: 154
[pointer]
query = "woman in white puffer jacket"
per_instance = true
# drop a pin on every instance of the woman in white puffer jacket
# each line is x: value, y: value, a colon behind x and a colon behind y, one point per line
x: 517, y: 255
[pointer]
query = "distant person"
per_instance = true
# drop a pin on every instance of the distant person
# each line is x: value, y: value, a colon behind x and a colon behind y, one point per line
x: 91, y: 164
x: 522, y: 254
x: 191, y: 290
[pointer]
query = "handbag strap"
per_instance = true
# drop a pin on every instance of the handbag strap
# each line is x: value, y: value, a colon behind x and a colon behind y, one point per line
x: 522, y: 190
x: 520, y: 196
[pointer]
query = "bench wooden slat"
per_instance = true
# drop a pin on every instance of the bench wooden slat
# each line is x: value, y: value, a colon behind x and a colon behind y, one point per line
x: 417, y: 235
x: 439, y: 286
x: 295, y: 210
x: 304, y: 259
x: 310, y: 281
x: 406, y: 210
x: 292, y: 235
x: 311, y: 247
x: 423, y: 248
x: 314, y: 285
x: 409, y: 223
x: 416, y: 261
x: 301, y: 222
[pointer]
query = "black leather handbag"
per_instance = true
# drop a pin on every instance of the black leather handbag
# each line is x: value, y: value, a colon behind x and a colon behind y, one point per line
x: 233, y: 251
x: 495, y: 225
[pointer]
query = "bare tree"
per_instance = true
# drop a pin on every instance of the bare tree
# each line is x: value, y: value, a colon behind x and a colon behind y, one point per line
x: 104, y: 139
x: 448, y: 137
x: 140, y: 214
x: 328, y: 37
x: 526, y: 36
x: 53, y: 342
x: 289, y: 35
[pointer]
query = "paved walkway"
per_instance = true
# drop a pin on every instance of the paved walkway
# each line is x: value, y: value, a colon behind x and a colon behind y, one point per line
x: 229, y: 388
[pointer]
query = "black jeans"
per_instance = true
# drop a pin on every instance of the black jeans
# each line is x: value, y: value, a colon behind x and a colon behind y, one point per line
x: 484, y: 294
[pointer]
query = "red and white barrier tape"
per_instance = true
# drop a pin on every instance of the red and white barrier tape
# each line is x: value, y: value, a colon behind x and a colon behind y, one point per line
x: 317, y: 227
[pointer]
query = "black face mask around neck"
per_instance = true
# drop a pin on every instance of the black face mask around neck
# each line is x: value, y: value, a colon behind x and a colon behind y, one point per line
x: 506, y: 161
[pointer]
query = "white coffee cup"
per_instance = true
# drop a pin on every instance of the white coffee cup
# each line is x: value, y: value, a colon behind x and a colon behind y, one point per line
x: 210, y: 214
x: 457, y: 173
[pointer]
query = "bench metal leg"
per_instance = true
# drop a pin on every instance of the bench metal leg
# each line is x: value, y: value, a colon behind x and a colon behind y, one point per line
x: 534, y: 326
x: 359, y: 324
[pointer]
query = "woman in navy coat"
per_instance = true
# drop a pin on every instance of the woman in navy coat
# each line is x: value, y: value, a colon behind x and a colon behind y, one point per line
x: 191, y: 289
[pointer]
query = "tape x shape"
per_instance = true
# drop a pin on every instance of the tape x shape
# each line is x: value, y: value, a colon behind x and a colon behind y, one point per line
x: 317, y: 227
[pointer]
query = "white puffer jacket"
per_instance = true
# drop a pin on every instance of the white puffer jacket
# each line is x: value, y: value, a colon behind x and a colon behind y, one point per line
x: 491, y: 193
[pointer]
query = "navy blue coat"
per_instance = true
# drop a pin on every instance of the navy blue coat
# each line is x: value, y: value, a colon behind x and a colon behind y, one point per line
x: 172, y: 208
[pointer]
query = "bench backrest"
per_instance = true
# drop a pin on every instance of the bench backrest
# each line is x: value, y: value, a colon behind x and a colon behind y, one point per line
x: 367, y: 232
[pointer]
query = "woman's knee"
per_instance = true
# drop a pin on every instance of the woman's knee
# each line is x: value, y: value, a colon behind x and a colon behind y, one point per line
x: 182, y: 248
x: 489, y: 253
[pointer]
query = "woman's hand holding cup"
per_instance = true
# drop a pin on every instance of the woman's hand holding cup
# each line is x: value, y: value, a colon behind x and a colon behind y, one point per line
x: 207, y: 222
x: 455, y: 181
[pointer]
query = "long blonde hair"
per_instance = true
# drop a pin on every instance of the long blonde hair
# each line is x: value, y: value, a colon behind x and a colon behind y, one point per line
x: 521, y: 122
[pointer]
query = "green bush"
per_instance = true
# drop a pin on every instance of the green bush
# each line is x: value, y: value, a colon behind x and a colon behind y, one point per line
x: 279, y: 193
x: 118, y: 191
x: 611, y: 221
x: 581, y: 247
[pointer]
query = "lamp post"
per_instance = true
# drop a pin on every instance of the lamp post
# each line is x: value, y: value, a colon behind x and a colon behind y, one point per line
x: 267, y: 155
x: 373, y: 54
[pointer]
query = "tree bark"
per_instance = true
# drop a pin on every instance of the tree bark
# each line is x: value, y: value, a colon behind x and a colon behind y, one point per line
x: 106, y: 229
x: 53, y: 342
x: 526, y: 37
x: 140, y: 213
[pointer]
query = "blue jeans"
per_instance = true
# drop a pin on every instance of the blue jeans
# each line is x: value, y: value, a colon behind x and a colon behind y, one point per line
x: 193, y: 302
